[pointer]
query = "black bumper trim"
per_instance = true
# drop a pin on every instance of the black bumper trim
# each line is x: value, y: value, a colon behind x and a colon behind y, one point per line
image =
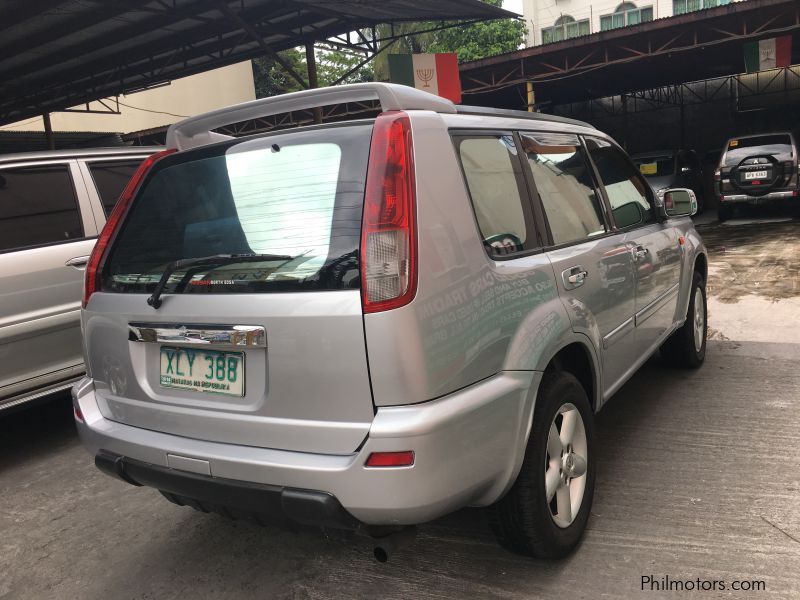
x: 230, y: 497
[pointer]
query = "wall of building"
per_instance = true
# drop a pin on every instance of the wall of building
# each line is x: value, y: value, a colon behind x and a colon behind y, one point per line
x: 540, y: 14
x: 159, y: 106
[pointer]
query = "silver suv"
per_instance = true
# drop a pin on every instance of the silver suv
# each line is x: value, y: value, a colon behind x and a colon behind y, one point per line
x: 372, y: 323
x: 52, y: 207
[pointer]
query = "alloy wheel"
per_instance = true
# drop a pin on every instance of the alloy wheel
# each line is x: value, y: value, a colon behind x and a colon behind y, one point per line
x: 699, y: 319
x: 565, y: 465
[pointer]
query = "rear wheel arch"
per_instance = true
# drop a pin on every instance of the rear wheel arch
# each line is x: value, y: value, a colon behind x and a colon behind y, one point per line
x: 577, y: 359
x: 701, y: 265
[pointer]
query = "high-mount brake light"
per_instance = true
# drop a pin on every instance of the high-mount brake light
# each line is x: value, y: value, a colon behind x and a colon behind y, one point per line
x: 388, y: 233
x: 91, y: 281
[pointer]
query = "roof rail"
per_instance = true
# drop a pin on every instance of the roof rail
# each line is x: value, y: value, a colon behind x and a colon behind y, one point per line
x: 518, y: 114
x: 197, y: 131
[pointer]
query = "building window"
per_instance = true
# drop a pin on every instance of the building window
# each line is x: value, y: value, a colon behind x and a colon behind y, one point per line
x: 565, y: 28
x: 628, y: 14
x: 681, y: 7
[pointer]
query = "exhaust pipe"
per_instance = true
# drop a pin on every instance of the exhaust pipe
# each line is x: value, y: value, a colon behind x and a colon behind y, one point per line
x: 388, y: 544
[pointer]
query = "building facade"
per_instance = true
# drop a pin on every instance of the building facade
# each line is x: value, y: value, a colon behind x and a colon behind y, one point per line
x: 551, y: 21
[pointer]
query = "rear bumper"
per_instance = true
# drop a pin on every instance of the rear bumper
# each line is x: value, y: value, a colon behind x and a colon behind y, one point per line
x: 468, y: 449
x: 765, y: 199
x: 230, y: 497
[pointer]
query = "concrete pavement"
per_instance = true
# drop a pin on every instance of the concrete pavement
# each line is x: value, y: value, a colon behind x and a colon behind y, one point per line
x: 699, y: 477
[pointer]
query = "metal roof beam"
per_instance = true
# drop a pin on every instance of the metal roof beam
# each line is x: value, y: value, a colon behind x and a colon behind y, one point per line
x: 247, y: 27
x: 87, y: 49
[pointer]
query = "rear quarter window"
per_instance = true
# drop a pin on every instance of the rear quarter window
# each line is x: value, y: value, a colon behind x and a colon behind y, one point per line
x: 297, y: 194
x: 110, y: 178
x: 496, y: 185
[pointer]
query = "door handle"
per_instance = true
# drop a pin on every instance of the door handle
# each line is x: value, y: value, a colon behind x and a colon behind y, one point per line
x: 574, y: 277
x: 640, y: 252
x: 79, y: 262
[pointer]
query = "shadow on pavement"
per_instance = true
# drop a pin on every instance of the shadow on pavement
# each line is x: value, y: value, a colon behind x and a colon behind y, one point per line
x: 35, y: 430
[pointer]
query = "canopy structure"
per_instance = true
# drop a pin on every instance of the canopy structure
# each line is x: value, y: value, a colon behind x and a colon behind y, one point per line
x: 55, y: 54
x: 691, y: 47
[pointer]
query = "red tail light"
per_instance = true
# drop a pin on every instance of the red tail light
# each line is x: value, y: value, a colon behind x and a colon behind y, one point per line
x: 91, y: 280
x: 388, y: 233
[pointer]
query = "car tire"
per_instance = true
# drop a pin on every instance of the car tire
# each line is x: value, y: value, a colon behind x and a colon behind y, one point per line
x: 523, y: 520
x: 686, y: 347
x: 724, y: 213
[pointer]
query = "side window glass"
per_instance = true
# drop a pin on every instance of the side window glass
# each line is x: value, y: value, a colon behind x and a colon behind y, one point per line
x: 625, y: 187
x: 110, y: 178
x: 496, y: 186
x: 564, y: 183
x: 37, y: 206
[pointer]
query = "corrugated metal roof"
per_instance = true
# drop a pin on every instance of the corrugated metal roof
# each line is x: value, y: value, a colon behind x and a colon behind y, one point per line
x: 59, y: 53
x: 27, y: 141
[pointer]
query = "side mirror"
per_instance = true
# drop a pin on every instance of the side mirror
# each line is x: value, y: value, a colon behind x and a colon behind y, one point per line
x: 679, y: 202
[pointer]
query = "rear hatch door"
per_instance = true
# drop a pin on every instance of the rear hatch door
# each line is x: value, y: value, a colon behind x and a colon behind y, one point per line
x: 758, y: 164
x: 265, y: 346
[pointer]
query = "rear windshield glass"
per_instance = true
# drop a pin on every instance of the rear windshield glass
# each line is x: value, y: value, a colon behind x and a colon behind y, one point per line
x: 779, y: 146
x: 296, y: 196
x: 656, y: 166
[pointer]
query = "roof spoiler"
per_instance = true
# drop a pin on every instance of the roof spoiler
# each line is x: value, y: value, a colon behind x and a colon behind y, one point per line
x: 197, y: 131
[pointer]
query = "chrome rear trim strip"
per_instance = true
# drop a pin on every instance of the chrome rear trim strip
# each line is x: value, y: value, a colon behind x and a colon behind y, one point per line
x: 253, y: 336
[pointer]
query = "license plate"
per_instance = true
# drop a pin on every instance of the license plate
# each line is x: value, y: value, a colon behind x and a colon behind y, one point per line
x: 202, y: 370
x: 755, y: 175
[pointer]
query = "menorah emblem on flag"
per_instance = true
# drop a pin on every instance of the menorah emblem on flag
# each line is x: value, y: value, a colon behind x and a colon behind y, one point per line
x: 434, y: 73
x: 425, y: 75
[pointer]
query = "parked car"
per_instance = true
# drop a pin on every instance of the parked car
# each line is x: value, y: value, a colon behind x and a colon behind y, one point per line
x: 52, y: 206
x: 665, y: 169
x: 358, y: 325
x: 757, y: 170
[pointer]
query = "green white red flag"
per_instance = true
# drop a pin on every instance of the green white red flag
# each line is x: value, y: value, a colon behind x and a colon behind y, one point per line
x: 434, y: 73
x: 768, y: 54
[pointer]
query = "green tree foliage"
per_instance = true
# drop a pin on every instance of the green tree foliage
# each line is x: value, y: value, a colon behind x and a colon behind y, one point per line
x: 469, y: 42
x: 332, y: 65
x: 272, y: 79
x: 481, y: 39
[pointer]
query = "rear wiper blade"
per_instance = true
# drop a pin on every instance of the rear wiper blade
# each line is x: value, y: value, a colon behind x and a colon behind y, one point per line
x: 206, y: 261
